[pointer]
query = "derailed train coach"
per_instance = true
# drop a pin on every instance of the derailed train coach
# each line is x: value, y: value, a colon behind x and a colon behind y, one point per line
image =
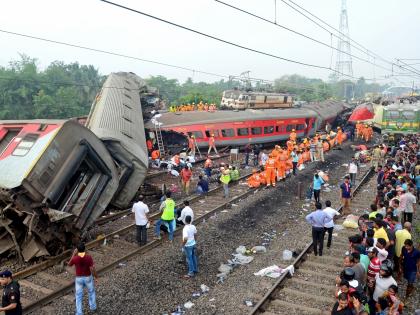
x: 58, y: 176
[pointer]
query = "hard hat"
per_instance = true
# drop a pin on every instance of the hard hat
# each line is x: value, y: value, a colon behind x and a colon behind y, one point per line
x: 338, y: 127
x: 293, y: 130
x: 212, y: 135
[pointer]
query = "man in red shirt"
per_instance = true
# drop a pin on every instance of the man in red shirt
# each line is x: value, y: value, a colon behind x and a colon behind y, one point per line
x: 373, y: 269
x: 85, y: 274
x: 186, y: 179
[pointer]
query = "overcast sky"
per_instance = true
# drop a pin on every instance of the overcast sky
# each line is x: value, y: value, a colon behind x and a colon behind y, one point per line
x: 387, y: 27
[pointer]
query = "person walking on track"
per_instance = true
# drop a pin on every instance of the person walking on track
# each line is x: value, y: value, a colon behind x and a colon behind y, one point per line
x: 189, y: 238
x: 86, y: 277
x: 346, y: 194
x: 329, y: 226
x: 140, y: 210
x: 317, y: 220
x: 168, y: 215
x: 212, y: 144
x: 316, y: 186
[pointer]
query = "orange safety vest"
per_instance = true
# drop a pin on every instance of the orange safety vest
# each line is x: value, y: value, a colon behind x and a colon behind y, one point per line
x: 270, y: 163
x: 155, y: 154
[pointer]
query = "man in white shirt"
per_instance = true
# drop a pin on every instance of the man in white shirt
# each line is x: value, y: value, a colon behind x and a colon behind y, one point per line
x: 353, y: 171
x: 329, y: 226
x: 408, y: 204
x: 189, y: 237
x: 186, y: 211
x: 140, y: 210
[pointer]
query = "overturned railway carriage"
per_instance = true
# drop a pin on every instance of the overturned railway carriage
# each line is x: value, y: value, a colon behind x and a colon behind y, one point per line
x: 57, y: 177
x: 252, y: 126
x: 116, y: 118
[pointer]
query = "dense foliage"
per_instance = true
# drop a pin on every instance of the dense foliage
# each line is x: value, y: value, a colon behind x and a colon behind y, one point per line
x: 67, y: 90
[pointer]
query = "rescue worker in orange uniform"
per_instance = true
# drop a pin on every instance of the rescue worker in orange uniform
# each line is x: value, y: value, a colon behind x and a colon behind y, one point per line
x: 263, y: 176
x: 191, y: 145
x: 149, y: 145
x: 339, y: 137
x: 368, y: 133
x: 276, y: 154
x: 254, y: 180
x: 208, y: 164
x: 270, y: 169
x: 212, y: 144
x: 293, y: 135
x: 290, y: 145
x: 282, y: 165
x: 156, y: 157
x: 359, y: 128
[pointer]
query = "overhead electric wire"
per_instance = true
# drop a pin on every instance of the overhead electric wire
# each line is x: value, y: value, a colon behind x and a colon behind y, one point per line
x: 227, y: 42
x: 365, y: 50
x: 300, y: 34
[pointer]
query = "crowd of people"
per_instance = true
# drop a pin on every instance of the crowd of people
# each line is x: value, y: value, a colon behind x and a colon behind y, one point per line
x: 192, y: 107
x: 382, y: 252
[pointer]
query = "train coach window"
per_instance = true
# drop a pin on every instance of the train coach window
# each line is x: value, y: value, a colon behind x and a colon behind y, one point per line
x: 242, y: 131
x: 290, y: 128
x: 279, y: 129
x: 197, y: 134
x: 210, y: 132
x: 228, y: 133
x: 256, y: 131
x: 300, y: 127
x: 392, y: 114
x: 25, y: 144
x: 269, y: 129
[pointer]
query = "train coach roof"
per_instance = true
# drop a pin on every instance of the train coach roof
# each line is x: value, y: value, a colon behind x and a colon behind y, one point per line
x: 415, y: 107
x: 33, y: 121
x: 198, y: 117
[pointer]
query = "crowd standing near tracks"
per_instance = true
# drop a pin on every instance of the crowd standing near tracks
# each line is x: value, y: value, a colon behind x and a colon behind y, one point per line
x: 384, y: 236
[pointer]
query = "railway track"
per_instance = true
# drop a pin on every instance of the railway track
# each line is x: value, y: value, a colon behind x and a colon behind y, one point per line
x: 311, y: 289
x: 43, y: 283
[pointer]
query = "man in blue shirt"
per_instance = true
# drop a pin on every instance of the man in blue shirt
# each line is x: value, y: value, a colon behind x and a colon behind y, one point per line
x: 317, y: 219
x: 202, y: 185
x: 346, y: 195
x: 410, y: 265
x: 317, y: 183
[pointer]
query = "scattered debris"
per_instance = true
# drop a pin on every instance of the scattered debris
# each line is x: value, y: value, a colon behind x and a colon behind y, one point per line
x: 204, y: 288
x: 249, y: 303
x: 287, y: 254
x: 188, y: 305
x: 258, y: 249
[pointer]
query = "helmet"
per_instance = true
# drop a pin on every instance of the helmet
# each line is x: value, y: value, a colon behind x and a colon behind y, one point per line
x: 387, y: 266
x: 348, y: 274
x: 293, y: 130
x: 338, y: 127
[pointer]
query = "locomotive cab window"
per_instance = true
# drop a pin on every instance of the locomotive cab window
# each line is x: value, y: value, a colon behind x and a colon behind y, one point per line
x: 242, y: 131
x: 290, y: 127
x: 197, y: 134
x: 256, y: 131
x: 25, y: 144
x: 408, y: 115
x: 392, y: 114
x: 268, y: 129
x: 210, y: 132
x: 228, y: 133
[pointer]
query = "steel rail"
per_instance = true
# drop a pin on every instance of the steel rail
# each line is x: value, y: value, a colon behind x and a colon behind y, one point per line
x: 51, y: 261
x: 36, y: 305
x: 259, y: 308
